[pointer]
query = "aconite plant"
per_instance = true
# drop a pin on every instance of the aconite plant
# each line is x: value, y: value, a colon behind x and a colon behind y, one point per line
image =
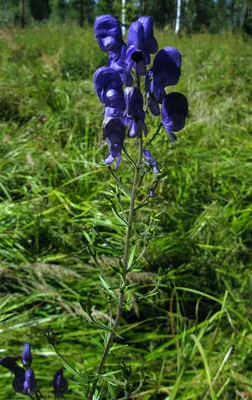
x: 128, y: 90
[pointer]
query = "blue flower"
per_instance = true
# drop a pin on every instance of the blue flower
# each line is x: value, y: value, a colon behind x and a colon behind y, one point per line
x: 164, y: 72
x: 174, y: 112
x: 136, y: 56
x: 150, y: 161
x: 141, y: 43
x: 108, y: 87
x: 114, y: 134
x: 108, y: 33
x: 134, y: 114
x: 29, y: 385
x: 60, y: 384
x: 26, y: 355
x: 24, y: 381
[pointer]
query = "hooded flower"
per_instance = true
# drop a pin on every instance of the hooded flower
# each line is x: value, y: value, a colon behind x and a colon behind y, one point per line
x: 150, y: 161
x: 29, y: 385
x: 114, y: 133
x: 174, y: 112
x: 26, y: 355
x: 164, y: 72
x: 134, y: 114
x: 60, y: 384
x: 141, y: 43
x: 136, y: 56
x: 108, y: 87
x: 108, y: 33
x: 19, y: 372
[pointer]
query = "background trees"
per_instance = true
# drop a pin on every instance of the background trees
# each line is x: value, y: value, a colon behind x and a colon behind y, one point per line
x: 196, y: 15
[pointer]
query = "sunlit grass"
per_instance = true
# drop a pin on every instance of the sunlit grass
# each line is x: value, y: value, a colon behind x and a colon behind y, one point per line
x: 193, y: 339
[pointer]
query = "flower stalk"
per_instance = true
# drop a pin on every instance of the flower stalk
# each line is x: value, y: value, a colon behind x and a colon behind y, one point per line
x: 112, y: 334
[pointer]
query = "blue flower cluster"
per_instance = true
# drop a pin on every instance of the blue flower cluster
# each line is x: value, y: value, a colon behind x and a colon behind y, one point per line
x: 127, y: 62
x: 24, y: 380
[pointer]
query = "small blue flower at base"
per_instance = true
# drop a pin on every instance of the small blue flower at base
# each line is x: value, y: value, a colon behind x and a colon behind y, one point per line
x: 24, y: 381
x: 29, y: 385
x: 19, y: 372
x: 174, y: 113
x: 26, y: 355
x: 60, y: 384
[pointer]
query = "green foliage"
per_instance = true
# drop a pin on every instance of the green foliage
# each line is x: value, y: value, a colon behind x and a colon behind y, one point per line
x: 191, y: 339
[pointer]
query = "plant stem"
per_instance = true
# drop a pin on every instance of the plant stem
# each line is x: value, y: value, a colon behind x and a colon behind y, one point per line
x: 125, y: 267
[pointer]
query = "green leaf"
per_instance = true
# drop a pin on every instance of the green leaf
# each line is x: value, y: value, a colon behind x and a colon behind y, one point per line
x: 107, y: 287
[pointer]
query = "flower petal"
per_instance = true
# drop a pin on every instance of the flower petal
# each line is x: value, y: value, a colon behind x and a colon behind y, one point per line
x: 174, y: 112
x: 108, y: 87
x: 136, y: 36
x: 152, y: 162
x: 150, y: 44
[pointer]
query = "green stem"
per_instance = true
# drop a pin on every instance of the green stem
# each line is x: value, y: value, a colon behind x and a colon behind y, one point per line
x: 112, y: 334
x: 155, y: 134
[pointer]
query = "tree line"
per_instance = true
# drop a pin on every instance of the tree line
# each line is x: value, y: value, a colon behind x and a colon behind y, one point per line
x: 195, y: 15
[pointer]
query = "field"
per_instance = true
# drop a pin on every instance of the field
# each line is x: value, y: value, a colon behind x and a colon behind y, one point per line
x: 191, y: 340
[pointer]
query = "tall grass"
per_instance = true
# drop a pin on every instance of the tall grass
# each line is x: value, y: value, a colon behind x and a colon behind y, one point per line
x: 193, y: 339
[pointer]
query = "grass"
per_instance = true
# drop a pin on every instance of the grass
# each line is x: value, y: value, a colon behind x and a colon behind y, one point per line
x: 193, y: 339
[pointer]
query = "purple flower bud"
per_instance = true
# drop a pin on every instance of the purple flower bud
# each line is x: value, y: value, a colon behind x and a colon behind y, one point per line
x: 152, y: 162
x: 29, y: 385
x: 114, y: 133
x: 151, y: 193
x: 108, y: 33
x: 26, y: 355
x: 60, y: 384
x: 174, y: 112
x: 108, y: 87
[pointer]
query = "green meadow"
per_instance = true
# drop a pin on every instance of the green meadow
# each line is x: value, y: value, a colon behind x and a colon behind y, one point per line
x: 192, y: 338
